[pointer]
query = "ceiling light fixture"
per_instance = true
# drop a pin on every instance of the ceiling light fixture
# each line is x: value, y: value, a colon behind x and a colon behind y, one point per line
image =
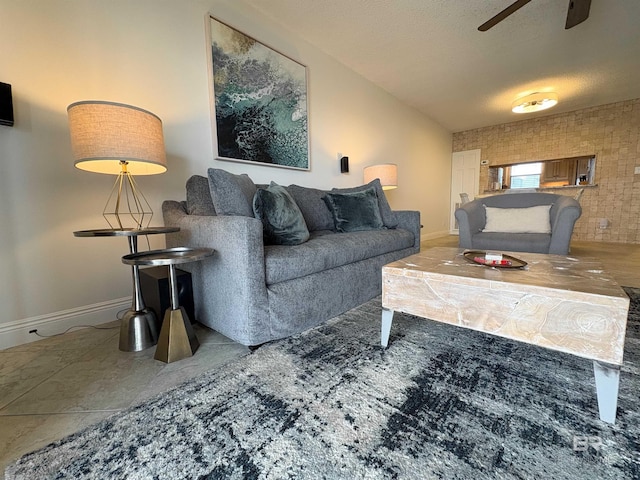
x: 534, y: 102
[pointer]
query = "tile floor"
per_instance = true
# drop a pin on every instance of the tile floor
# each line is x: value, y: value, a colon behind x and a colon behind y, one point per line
x: 54, y: 387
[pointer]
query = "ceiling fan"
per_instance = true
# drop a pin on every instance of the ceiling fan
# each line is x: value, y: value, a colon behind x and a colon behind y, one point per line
x: 578, y: 12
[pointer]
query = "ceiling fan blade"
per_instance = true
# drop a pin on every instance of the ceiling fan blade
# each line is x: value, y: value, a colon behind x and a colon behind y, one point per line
x: 503, y: 14
x: 578, y: 12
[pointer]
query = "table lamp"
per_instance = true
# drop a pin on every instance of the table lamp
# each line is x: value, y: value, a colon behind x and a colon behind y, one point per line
x: 386, y: 172
x: 121, y: 140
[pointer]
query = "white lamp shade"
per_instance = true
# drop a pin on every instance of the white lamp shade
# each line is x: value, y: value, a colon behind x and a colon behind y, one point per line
x: 386, y: 172
x: 105, y: 134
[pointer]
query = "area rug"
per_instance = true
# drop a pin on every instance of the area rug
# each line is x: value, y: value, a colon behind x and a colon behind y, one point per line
x: 440, y: 403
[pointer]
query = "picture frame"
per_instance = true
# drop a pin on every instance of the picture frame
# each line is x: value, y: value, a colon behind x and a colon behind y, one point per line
x: 259, y: 101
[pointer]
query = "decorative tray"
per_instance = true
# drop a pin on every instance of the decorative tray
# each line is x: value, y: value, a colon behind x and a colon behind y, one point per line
x: 493, y: 259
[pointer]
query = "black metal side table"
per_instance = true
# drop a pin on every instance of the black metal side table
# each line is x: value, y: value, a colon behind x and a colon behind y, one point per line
x: 139, y: 327
x: 177, y: 339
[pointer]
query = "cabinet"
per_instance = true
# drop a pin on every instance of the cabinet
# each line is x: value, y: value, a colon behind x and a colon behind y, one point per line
x: 556, y: 171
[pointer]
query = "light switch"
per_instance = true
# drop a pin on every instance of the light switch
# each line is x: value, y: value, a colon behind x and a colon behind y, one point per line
x: 636, y: 171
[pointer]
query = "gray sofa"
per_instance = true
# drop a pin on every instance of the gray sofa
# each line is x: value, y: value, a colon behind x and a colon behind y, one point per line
x: 563, y: 214
x: 254, y: 293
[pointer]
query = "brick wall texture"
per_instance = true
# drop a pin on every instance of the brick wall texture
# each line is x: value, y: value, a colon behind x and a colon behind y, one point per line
x: 611, y: 132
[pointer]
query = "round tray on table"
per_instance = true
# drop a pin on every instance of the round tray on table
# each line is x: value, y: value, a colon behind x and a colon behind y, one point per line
x: 478, y: 256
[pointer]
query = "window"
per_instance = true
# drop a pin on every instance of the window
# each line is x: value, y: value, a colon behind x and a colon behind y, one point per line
x: 526, y: 175
x: 552, y: 173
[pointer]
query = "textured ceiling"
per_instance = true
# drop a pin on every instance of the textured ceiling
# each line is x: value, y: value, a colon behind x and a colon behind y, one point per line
x: 430, y: 54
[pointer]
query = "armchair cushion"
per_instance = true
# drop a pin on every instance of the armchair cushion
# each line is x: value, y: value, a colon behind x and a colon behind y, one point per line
x: 281, y: 218
x: 518, y: 220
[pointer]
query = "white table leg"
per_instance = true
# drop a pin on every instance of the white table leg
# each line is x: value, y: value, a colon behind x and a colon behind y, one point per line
x: 387, y: 318
x: 607, y: 383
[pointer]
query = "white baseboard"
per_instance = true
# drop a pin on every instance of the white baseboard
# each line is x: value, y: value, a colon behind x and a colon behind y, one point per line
x: 17, y: 333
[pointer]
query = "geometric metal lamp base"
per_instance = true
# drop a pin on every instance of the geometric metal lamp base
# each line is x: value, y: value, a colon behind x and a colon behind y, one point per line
x: 177, y: 339
x: 138, y: 330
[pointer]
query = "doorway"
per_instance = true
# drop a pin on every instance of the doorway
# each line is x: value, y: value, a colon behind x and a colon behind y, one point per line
x: 465, y: 178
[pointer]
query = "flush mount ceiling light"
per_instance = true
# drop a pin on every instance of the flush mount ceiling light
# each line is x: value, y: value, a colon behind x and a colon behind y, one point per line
x: 534, y: 102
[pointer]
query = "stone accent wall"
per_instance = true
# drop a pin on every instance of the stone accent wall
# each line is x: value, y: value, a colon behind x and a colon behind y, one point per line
x: 611, y: 132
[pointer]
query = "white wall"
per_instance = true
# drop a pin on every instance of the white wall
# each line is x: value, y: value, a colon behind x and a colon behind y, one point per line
x: 153, y: 54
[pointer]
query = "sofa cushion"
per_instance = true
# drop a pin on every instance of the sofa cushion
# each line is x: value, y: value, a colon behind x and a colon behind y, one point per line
x: 315, y: 212
x: 231, y: 194
x: 199, y: 196
x: 518, y: 220
x: 281, y: 218
x: 326, y: 249
x: 355, y: 211
x: 388, y: 216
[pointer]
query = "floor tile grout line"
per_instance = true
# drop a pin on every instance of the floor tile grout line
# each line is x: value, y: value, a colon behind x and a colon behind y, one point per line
x: 48, y: 377
x: 78, y: 357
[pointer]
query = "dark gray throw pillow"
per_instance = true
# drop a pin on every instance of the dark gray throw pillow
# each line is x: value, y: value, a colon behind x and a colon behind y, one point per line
x: 231, y: 194
x: 355, y: 211
x: 281, y: 218
x: 389, y: 217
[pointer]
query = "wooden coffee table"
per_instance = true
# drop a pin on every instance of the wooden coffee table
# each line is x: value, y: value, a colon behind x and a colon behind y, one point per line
x: 557, y: 302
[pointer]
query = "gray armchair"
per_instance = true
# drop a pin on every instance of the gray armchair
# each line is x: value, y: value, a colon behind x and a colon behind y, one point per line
x: 563, y: 214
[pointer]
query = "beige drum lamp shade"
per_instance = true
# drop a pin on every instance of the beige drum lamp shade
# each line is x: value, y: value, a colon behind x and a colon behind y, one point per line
x: 386, y: 172
x: 122, y: 140
x: 103, y: 134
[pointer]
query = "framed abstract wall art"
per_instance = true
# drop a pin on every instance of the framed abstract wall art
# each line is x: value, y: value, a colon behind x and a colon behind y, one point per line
x: 259, y: 101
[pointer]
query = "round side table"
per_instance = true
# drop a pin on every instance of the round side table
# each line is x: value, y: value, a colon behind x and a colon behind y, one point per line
x: 139, y: 329
x: 177, y: 339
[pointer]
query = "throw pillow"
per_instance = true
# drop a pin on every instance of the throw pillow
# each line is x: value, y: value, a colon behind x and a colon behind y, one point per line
x: 315, y: 212
x: 518, y: 220
x: 231, y: 194
x: 388, y: 216
x: 199, y: 196
x: 281, y: 218
x: 355, y: 211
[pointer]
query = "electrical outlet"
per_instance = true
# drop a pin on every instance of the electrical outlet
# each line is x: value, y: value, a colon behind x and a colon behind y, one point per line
x: 636, y: 171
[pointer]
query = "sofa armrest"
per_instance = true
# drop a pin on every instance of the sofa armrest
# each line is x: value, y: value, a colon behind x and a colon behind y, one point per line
x: 410, y: 220
x: 229, y: 287
x: 471, y: 219
x: 563, y: 215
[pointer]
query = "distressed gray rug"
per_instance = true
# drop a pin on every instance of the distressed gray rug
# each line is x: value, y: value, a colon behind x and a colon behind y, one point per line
x: 440, y: 403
